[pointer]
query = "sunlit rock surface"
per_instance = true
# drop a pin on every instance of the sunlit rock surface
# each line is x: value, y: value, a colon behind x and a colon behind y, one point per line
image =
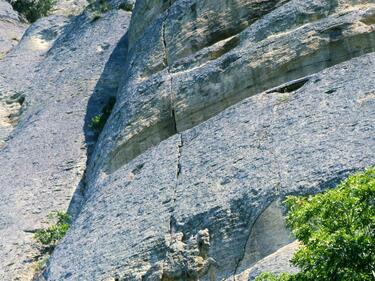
x: 222, y: 109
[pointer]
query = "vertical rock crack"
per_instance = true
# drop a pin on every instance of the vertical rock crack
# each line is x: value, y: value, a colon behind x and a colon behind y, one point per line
x: 167, y: 64
x: 172, y: 220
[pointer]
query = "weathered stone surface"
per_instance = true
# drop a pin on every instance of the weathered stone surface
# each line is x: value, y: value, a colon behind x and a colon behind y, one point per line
x: 277, y: 262
x: 11, y: 28
x: 139, y: 199
x: 223, y: 108
x: 268, y: 234
x: 22, y: 61
x: 223, y: 175
x: 70, y: 69
x: 181, y: 70
x: 69, y: 7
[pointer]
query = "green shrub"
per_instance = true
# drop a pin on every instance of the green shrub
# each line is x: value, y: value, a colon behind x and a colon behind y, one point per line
x: 40, y: 264
x: 337, y: 232
x: 98, y: 121
x: 98, y: 8
x: 33, y: 9
x: 126, y: 6
x: 53, y: 234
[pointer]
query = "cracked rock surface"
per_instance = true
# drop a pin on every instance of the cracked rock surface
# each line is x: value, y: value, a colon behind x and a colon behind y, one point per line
x: 183, y: 69
x: 222, y: 109
x: 59, y: 71
x: 231, y: 168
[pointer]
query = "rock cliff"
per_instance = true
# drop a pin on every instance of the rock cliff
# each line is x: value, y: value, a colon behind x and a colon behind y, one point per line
x: 222, y: 109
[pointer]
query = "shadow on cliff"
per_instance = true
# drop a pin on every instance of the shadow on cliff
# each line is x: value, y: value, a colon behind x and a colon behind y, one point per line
x: 231, y: 227
x: 105, y: 90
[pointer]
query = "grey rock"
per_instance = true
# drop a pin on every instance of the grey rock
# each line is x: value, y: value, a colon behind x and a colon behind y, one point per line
x: 140, y: 201
x: 223, y: 109
x: 66, y: 63
x: 11, y: 28
x: 178, y: 75
x: 223, y: 175
x: 278, y: 262
x: 268, y: 234
x: 69, y: 7
x: 22, y: 61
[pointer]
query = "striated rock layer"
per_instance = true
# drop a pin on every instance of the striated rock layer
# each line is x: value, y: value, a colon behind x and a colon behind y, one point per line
x: 60, y: 74
x: 222, y: 109
x: 223, y: 175
x: 181, y: 70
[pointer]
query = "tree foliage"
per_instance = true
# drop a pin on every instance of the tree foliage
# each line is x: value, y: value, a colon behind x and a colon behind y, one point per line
x: 336, y: 230
x: 33, y: 9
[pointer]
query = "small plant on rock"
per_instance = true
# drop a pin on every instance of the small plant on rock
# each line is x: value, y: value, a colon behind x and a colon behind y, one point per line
x: 268, y: 276
x: 40, y: 264
x: 49, y: 237
x: 98, y: 8
x: 337, y: 232
x: 98, y: 121
x: 52, y: 235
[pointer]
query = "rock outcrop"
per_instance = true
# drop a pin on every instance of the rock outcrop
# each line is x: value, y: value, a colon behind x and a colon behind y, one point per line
x: 171, y: 85
x: 222, y: 175
x: 11, y: 28
x: 222, y: 109
x: 60, y: 68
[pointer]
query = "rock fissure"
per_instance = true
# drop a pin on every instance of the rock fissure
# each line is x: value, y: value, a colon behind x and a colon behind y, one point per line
x: 291, y: 86
x: 238, y: 264
x: 168, y: 67
x: 174, y: 195
x: 189, y: 104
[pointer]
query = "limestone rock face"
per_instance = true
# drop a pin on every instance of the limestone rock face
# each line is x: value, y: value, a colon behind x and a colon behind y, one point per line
x: 222, y: 175
x: 11, y: 28
x: 182, y: 70
x: 58, y: 72
x: 222, y: 109
x: 277, y: 262
x: 69, y: 7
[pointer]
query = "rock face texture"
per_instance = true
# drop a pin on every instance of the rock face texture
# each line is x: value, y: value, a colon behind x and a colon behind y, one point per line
x: 11, y: 28
x: 59, y: 71
x: 221, y: 176
x: 222, y: 109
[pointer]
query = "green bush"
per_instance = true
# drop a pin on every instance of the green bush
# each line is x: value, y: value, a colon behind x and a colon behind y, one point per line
x: 33, y: 9
x: 337, y: 232
x: 98, y: 8
x: 98, y: 121
x: 40, y: 264
x: 48, y: 238
x: 53, y: 234
x: 126, y: 6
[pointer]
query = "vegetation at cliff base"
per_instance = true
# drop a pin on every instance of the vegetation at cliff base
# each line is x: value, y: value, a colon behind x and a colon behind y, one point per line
x: 32, y: 10
x: 337, y: 232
